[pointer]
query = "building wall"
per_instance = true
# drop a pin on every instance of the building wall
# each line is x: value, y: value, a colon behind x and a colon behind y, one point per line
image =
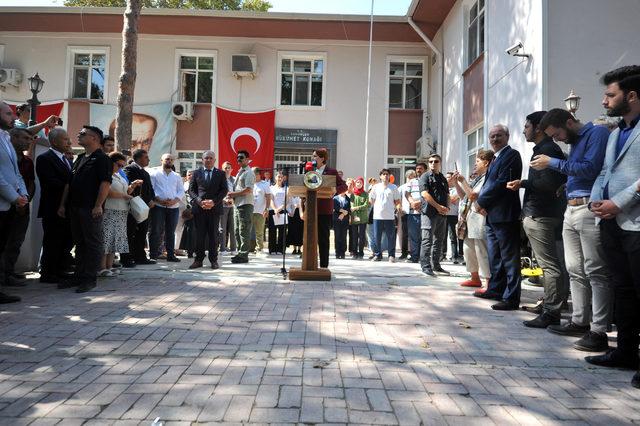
x: 345, y: 80
x: 604, y: 44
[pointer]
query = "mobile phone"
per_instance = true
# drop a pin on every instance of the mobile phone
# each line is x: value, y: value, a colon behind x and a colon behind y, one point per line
x: 455, y: 165
x: 60, y: 122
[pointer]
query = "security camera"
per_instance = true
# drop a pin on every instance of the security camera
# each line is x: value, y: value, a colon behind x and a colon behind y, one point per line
x: 513, y: 50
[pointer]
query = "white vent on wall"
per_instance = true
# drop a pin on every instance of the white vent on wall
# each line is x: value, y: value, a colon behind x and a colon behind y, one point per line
x: 10, y: 76
x: 244, y: 66
x: 182, y: 110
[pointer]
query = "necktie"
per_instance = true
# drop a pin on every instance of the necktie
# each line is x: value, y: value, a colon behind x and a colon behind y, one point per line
x: 208, y: 177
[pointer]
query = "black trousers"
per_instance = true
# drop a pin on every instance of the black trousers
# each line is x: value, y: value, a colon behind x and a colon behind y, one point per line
x: 87, y: 235
x: 207, y: 230
x: 340, y: 230
x: 622, y: 250
x: 503, y: 247
x: 137, y: 238
x: 359, y: 238
x: 6, y: 221
x: 276, y: 234
x: 404, y: 244
x: 56, y: 245
x: 17, y: 232
x: 324, y: 228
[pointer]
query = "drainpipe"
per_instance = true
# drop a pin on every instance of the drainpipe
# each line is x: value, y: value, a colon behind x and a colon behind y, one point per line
x: 438, y: 54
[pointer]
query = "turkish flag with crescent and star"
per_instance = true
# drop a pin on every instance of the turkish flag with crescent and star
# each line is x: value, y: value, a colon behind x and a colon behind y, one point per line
x: 253, y: 132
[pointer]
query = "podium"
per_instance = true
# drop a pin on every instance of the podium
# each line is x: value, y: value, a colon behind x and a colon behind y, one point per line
x: 297, y: 188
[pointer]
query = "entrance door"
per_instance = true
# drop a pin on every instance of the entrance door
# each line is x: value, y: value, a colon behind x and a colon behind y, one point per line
x: 291, y: 160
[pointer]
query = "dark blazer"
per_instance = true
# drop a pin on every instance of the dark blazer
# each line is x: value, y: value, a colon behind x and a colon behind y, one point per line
x: 215, y: 190
x: 502, y: 205
x: 145, y: 191
x: 53, y: 175
x: 325, y: 205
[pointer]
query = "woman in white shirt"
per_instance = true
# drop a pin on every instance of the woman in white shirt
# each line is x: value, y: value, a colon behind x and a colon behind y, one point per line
x: 116, y: 209
x: 277, y: 215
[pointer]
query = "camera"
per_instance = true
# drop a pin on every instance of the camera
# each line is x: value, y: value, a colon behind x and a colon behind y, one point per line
x: 513, y: 50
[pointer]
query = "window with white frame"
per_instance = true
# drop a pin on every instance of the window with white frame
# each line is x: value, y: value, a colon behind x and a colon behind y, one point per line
x: 475, y: 31
x: 188, y: 160
x: 474, y: 144
x: 196, y: 76
x: 302, y: 80
x: 398, y: 166
x: 405, y: 84
x: 89, y: 71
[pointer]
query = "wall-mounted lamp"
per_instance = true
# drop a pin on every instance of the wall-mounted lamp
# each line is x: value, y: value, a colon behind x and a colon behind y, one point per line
x: 572, y: 102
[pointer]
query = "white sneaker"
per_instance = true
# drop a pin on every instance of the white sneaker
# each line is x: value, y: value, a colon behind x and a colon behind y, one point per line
x: 115, y: 271
x: 392, y: 259
x: 105, y: 273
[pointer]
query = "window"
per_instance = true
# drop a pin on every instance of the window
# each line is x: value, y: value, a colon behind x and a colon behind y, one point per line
x: 475, y: 31
x: 405, y: 85
x: 398, y: 166
x: 188, y: 160
x: 474, y: 144
x: 302, y: 80
x: 196, y: 75
x: 89, y: 71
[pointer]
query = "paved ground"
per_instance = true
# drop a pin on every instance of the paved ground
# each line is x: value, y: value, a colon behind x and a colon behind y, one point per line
x: 380, y: 344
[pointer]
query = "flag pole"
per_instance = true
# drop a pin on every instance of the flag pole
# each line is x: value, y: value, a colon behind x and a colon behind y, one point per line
x: 366, y: 121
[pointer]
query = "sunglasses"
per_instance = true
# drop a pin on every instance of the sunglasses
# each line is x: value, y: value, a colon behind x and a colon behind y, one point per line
x: 241, y: 157
x: 434, y: 161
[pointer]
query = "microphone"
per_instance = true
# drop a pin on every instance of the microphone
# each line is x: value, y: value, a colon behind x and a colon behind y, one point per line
x: 309, y: 166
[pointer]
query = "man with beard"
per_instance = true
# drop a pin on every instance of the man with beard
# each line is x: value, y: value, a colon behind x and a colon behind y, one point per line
x: 13, y: 192
x: 542, y: 210
x: 589, y: 277
x: 615, y: 200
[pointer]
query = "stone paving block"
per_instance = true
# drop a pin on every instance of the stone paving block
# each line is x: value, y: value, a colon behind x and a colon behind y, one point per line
x: 119, y: 406
x: 239, y: 409
x: 372, y: 417
x: 406, y: 413
x: 378, y: 400
x: 312, y: 410
x: 275, y: 415
x: 356, y: 399
x: 215, y: 408
x: 143, y: 407
x: 66, y: 411
x: 290, y: 397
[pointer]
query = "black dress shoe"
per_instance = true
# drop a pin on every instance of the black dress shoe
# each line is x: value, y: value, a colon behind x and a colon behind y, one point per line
x: 635, y: 381
x: 543, y: 320
x: 69, y: 283
x: 487, y: 295
x: 8, y: 298
x: 440, y: 271
x: 49, y: 279
x: 614, y: 359
x: 239, y: 260
x: 12, y: 281
x: 86, y: 286
x: 214, y: 265
x: 569, y: 329
x: 172, y: 259
x: 146, y: 262
x: 429, y: 271
x: 592, y: 341
x: 505, y: 306
x: 196, y: 264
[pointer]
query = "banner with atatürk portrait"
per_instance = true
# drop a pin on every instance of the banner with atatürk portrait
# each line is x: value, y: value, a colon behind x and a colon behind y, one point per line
x: 153, y: 127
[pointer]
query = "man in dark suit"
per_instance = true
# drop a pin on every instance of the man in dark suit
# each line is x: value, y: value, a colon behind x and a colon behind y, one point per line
x: 502, y: 208
x: 137, y: 232
x: 207, y: 189
x: 325, y: 205
x: 54, y: 172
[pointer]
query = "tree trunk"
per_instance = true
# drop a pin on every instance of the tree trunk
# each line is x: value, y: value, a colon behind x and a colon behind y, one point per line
x: 127, y: 83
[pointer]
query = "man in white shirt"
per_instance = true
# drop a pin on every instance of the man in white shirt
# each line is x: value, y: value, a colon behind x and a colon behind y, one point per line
x: 405, y: 189
x: 261, y: 203
x: 384, y: 197
x: 169, y: 190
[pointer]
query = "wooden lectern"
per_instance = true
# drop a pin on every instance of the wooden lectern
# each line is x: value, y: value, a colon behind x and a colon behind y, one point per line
x: 310, y: 270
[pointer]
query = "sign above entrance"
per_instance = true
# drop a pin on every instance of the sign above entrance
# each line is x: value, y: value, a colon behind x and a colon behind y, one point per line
x: 316, y: 137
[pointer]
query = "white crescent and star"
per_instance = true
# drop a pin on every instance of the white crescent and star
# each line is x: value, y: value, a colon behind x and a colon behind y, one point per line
x: 245, y: 131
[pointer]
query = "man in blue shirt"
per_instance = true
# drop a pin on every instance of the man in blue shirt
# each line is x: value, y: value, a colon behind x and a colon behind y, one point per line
x: 615, y: 200
x: 591, y: 290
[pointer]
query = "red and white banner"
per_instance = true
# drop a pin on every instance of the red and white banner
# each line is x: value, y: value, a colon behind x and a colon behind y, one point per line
x: 253, y: 132
x: 44, y: 110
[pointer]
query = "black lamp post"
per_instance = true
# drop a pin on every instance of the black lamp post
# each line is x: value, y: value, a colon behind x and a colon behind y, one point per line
x: 36, y: 84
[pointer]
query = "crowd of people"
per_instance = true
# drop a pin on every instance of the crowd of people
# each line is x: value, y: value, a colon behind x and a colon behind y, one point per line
x: 579, y: 215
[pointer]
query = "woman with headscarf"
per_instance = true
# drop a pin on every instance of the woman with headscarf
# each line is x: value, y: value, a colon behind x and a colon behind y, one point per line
x: 359, y: 217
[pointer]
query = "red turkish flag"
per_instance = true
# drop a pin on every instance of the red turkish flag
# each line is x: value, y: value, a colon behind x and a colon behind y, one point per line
x: 249, y: 131
x: 43, y: 111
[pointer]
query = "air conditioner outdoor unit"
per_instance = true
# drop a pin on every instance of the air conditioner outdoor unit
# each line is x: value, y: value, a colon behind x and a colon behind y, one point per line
x: 244, y: 66
x: 182, y: 110
x: 10, y: 76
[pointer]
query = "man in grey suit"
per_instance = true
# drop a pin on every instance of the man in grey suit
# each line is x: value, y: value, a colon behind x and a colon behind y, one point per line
x: 13, y: 192
x: 615, y: 200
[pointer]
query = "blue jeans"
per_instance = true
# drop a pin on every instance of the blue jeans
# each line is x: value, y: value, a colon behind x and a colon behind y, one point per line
x: 167, y: 219
x: 503, y: 244
x: 415, y: 235
x: 387, y: 227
